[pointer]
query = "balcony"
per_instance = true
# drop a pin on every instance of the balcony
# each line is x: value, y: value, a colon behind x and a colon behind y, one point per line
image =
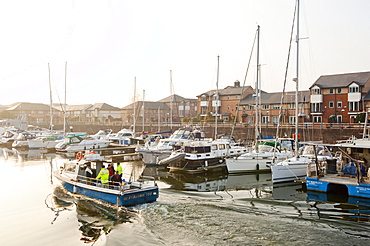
x: 316, y: 98
x: 216, y: 103
x: 354, y: 97
x: 204, y: 103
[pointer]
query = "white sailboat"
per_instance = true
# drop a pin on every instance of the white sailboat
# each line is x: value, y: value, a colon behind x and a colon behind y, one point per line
x: 295, y: 168
x: 262, y: 156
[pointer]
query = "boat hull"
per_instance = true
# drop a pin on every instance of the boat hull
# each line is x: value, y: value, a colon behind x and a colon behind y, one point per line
x: 124, y: 198
x: 198, y: 166
x: 326, y: 185
x: 240, y: 165
x: 288, y: 173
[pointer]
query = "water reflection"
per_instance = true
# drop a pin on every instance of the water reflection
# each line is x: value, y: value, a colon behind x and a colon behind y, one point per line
x: 23, y: 155
x: 347, y: 208
x: 95, y: 218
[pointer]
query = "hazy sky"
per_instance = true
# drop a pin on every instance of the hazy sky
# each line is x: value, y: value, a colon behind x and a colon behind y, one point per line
x: 108, y: 43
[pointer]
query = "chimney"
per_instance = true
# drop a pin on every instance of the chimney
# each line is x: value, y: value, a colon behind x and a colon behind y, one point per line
x: 237, y: 83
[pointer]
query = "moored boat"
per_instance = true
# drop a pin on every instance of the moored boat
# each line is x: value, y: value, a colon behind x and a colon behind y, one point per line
x: 81, y: 141
x: 352, y: 180
x: 203, y: 156
x: 261, y: 159
x: 295, y: 168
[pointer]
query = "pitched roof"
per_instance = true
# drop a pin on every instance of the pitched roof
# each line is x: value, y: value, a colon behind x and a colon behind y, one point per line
x: 28, y: 106
x: 230, y: 90
x: 78, y: 107
x: 342, y: 80
x: 147, y: 105
x: 103, y: 106
x: 275, y: 98
x: 175, y: 98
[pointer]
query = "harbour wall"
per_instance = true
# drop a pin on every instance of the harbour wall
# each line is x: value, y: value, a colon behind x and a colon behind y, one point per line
x: 325, y: 133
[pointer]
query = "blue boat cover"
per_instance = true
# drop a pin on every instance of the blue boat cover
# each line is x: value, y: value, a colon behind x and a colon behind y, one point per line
x: 350, y: 169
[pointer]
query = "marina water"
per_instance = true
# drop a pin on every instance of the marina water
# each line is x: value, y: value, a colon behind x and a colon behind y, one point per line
x: 218, y: 209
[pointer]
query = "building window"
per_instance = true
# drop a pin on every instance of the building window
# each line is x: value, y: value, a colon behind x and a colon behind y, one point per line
x: 316, y: 91
x: 317, y: 119
x: 236, y: 97
x: 265, y: 106
x: 265, y: 119
x: 331, y: 104
x: 339, y: 104
x: 244, y: 108
x: 339, y: 90
x: 228, y: 108
x: 275, y: 119
x: 228, y: 97
x: 354, y: 89
x: 251, y: 107
x: 276, y: 106
x: 291, y: 105
x: 339, y: 119
x: 291, y: 119
x: 331, y: 91
x: 353, y: 106
x: 315, y: 107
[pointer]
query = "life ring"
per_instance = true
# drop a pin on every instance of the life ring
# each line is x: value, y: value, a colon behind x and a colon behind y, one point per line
x: 92, y: 152
x: 79, y: 156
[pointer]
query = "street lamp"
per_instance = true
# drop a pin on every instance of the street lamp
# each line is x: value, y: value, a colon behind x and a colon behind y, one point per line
x: 341, y: 121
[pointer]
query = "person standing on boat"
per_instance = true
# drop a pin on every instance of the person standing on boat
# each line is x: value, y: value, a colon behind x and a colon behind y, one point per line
x: 111, y: 172
x: 88, y: 174
x: 119, y: 169
x: 104, y: 177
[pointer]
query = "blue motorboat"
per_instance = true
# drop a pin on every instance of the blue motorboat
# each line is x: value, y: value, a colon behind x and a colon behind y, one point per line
x: 129, y: 193
x: 352, y: 179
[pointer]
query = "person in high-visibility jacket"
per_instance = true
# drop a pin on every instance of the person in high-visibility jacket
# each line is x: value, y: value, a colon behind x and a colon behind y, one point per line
x: 104, y: 177
x: 119, y: 169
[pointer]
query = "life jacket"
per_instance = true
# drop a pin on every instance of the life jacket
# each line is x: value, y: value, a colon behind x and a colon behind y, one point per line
x: 119, y: 169
x: 104, y: 176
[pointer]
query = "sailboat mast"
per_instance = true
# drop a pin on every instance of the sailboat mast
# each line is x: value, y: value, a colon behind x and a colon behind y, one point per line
x: 257, y: 93
x: 217, y: 99
x: 171, y: 93
x: 65, y: 99
x: 296, y: 81
x: 143, y: 111
x: 51, y: 102
x: 134, y: 126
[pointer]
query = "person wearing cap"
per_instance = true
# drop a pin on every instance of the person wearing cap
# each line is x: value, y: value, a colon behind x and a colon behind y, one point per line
x: 104, y: 177
x: 88, y: 174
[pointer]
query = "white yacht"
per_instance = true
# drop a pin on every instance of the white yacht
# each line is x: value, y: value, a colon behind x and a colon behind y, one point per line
x: 81, y: 141
x: 262, y: 158
x: 296, y: 167
x: 123, y: 137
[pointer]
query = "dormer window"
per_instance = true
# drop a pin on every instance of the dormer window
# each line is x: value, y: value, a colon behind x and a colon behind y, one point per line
x: 354, y: 88
x: 316, y: 91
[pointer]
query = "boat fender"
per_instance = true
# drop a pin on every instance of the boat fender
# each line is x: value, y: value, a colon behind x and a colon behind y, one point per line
x: 79, y: 156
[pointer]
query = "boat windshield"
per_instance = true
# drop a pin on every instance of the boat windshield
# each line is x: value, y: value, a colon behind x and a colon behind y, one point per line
x: 124, y: 134
x: 265, y: 148
x: 68, y: 167
x: 181, y: 134
x: 320, y: 151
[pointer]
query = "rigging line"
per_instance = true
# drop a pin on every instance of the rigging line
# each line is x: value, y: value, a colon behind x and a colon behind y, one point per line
x: 245, y: 79
x: 285, y: 78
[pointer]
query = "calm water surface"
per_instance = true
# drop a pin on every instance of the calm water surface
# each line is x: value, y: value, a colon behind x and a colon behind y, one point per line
x: 191, y: 210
